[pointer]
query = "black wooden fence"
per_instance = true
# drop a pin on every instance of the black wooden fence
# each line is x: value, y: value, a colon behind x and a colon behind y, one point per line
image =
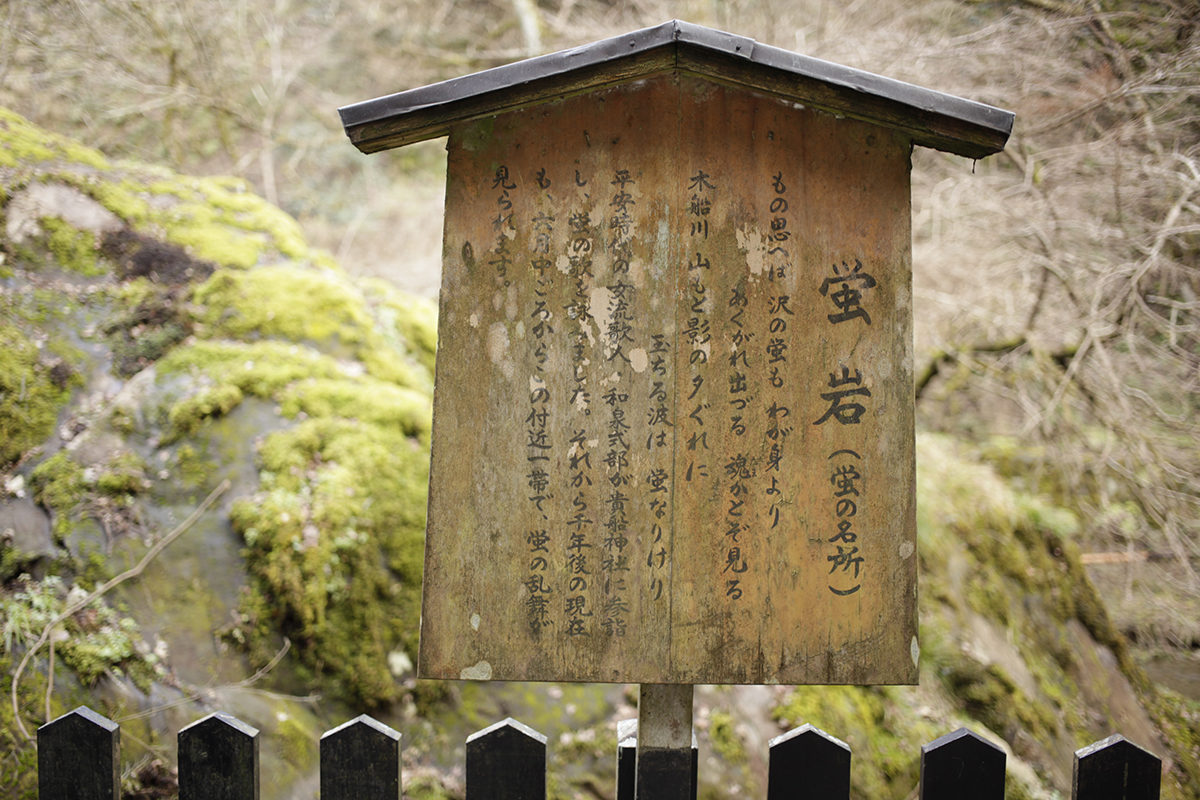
x: 79, y: 759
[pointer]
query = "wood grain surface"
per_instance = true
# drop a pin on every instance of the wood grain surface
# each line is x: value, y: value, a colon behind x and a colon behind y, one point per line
x: 673, y: 419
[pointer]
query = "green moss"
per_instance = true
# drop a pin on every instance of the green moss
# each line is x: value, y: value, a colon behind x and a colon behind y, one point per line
x: 58, y: 485
x: 122, y: 196
x: 216, y: 220
x: 72, y: 249
x: 96, y: 640
x: 18, y: 757
x: 23, y: 143
x: 1000, y: 557
x: 724, y: 738
x: 319, y: 307
x: 990, y: 696
x: 427, y: 786
x: 29, y: 398
x: 285, y: 302
x: 96, y: 650
x: 296, y: 743
x: 192, y: 467
x: 301, y: 379
x: 1179, y: 719
x: 408, y: 321
x: 335, y: 541
x: 365, y: 399
x: 12, y: 561
x: 125, y: 474
x: 883, y: 732
x: 260, y: 369
x: 196, y: 228
x: 186, y: 415
x: 148, y: 322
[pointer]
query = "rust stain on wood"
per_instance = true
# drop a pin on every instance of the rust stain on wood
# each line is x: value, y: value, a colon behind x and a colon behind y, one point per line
x: 673, y: 422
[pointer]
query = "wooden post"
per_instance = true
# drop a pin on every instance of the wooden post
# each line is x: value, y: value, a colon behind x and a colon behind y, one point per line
x: 79, y: 757
x: 1115, y: 769
x: 627, y: 746
x: 218, y: 759
x: 807, y: 762
x: 664, y: 743
x: 506, y: 761
x: 962, y: 764
x: 360, y: 760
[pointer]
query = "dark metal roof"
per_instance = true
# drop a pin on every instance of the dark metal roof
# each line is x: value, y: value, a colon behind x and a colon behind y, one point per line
x: 933, y: 119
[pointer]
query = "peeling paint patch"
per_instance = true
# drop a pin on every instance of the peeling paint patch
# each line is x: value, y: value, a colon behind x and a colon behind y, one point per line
x: 510, y: 303
x: 497, y: 342
x: 751, y: 243
x: 480, y: 672
x: 914, y: 650
x: 498, y: 347
x: 474, y: 320
x: 906, y: 549
x: 600, y: 308
x: 475, y: 622
x: 639, y: 360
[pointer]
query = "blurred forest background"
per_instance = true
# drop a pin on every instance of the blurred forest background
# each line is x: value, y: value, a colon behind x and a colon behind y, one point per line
x: 1057, y: 284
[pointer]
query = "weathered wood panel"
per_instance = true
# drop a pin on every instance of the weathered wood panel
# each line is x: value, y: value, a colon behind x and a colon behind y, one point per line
x: 673, y: 425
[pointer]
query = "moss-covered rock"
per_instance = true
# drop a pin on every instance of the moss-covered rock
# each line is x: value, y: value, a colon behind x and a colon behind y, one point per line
x: 321, y: 308
x: 28, y: 147
x: 58, y: 484
x: 160, y: 334
x: 31, y: 394
x: 334, y: 541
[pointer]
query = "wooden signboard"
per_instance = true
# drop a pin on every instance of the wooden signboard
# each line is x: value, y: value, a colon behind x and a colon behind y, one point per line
x: 673, y: 415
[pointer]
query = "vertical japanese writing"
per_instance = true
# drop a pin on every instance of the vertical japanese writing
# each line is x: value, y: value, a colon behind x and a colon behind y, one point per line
x: 697, y: 331
x: 617, y: 337
x: 538, y: 423
x: 847, y: 401
x: 581, y: 516
x: 579, y: 269
x: 613, y: 561
x: 659, y: 479
x: 740, y: 468
x: 778, y: 255
x: 775, y: 350
x: 698, y: 338
x: 502, y: 225
x: 845, y: 563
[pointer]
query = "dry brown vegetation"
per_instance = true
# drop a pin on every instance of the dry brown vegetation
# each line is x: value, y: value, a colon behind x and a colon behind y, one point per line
x: 1057, y: 282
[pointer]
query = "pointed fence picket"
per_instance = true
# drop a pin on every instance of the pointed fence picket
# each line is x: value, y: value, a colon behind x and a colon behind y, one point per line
x: 360, y: 760
x: 79, y: 759
x: 218, y: 759
x: 962, y: 764
x: 506, y: 761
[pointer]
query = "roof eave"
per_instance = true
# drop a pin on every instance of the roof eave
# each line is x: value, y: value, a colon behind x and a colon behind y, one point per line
x: 930, y: 118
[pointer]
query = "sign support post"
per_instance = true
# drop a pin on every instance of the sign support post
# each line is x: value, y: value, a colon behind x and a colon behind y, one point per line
x: 664, y: 742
